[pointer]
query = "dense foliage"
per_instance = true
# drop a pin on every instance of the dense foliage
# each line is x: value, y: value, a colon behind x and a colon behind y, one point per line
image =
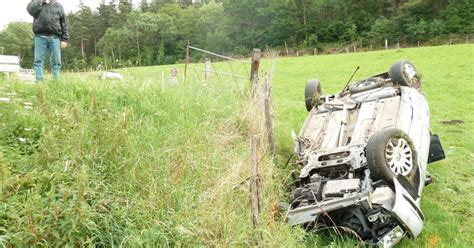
x: 156, y: 32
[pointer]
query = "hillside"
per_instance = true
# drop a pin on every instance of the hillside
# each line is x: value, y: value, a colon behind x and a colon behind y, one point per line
x: 144, y: 163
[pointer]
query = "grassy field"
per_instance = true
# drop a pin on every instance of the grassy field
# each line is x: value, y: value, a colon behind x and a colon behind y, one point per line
x: 141, y: 162
x: 448, y: 81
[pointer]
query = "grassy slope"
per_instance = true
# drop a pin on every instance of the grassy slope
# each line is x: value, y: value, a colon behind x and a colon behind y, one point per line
x: 448, y: 76
x: 139, y: 162
x: 132, y: 163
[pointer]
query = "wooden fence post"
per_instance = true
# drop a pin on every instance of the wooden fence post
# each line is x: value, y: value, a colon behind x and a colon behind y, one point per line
x: 207, y: 69
x: 386, y: 44
x: 255, y: 67
x: 255, y: 188
x: 268, y: 116
x: 186, y: 62
x: 162, y: 80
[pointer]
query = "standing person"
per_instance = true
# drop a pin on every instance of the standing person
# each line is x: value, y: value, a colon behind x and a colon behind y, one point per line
x: 51, y: 34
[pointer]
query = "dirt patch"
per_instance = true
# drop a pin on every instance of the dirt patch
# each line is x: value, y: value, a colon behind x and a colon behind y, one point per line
x: 451, y: 122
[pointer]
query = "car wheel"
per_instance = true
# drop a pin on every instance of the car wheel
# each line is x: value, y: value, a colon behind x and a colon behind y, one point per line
x: 312, y: 93
x: 353, y: 219
x: 391, y: 153
x: 366, y: 84
x: 404, y: 73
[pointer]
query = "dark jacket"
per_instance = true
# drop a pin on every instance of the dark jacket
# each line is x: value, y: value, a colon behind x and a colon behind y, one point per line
x: 49, y: 19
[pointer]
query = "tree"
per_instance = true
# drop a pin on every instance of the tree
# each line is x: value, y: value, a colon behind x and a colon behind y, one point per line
x: 124, y: 9
x: 80, y: 27
x: 213, y: 28
x: 116, y: 45
x: 158, y: 31
x: 459, y: 17
x: 247, y: 23
x: 17, y: 39
x: 416, y: 31
x: 144, y: 6
x: 380, y: 31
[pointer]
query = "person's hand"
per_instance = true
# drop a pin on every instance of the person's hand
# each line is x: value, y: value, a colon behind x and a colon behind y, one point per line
x: 63, y: 44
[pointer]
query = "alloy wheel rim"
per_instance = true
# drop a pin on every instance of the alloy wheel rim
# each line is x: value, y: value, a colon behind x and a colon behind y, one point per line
x: 399, y: 156
x: 409, y: 71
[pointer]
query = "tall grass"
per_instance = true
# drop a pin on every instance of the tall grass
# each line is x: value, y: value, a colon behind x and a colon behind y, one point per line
x: 124, y: 164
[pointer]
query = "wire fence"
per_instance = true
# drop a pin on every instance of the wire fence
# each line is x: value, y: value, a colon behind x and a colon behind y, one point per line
x: 215, y: 64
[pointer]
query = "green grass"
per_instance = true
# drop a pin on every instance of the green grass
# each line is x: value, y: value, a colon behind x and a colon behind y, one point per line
x: 145, y: 163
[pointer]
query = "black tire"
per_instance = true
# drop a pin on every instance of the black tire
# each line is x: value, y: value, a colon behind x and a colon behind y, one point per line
x: 366, y: 84
x: 312, y: 93
x: 385, y: 162
x: 404, y: 73
x: 353, y: 218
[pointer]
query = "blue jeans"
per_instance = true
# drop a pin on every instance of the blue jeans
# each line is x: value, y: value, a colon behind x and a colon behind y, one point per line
x: 42, y: 45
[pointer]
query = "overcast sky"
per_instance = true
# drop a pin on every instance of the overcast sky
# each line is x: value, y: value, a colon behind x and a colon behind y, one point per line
x: 15, y: 10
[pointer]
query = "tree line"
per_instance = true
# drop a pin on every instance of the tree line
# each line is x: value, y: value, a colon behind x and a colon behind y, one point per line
x: 117, y: 34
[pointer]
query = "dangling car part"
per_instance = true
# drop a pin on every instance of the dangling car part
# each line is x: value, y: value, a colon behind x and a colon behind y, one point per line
x: 364, y: 153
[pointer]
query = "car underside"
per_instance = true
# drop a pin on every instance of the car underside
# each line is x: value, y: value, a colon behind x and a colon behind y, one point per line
x: 363, y: 154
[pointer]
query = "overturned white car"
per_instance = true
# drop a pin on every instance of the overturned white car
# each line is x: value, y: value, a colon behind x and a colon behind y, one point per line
x: 364, y: 153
